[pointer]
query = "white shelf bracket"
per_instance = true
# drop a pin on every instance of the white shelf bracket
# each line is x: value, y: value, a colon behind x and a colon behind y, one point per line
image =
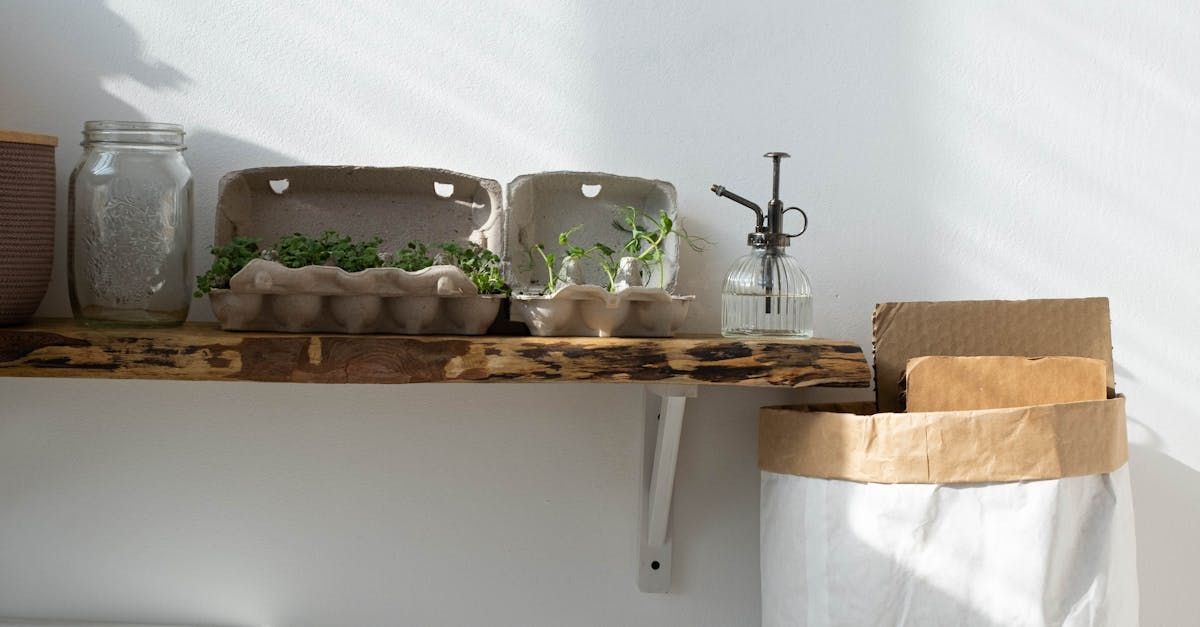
x: 660, y: 448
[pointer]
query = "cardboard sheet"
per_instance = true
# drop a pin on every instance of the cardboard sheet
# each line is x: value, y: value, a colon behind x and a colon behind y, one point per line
x: 1027, y: 328
x: 991, y: 445
x: 962, y: 383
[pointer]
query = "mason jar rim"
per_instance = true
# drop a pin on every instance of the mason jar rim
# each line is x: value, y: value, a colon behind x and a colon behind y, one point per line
x: 117, y: 125
x: 142, y: 135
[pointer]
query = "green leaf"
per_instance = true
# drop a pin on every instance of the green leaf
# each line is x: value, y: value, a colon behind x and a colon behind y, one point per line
x: 412, y: 257
x: 228, y: 260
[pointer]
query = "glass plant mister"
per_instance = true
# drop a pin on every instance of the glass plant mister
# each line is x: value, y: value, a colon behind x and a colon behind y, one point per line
x: 130, y: 226
x: 766, y: 293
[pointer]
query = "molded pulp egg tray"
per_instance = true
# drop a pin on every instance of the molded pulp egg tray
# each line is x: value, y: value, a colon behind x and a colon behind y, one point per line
x: 540, y: 206
x: 431, y: 205
x: 396, y: 204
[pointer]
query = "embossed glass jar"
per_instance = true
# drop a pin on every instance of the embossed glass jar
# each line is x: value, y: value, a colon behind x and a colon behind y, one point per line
x: 130, y: 226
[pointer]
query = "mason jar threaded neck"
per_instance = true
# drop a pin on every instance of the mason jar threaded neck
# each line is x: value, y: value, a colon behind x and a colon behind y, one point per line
x: 139, y: 134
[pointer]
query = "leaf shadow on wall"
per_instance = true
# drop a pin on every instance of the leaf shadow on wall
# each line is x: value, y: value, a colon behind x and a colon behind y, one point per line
x: 64, y: 84
x: 55, y: 80
x: 60, y: 74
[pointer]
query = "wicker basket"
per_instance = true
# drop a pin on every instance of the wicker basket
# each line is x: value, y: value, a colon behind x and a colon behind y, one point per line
x: 26, y: 222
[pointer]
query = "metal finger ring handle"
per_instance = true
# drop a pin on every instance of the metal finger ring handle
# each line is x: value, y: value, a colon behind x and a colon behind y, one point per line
x: 803, y: 228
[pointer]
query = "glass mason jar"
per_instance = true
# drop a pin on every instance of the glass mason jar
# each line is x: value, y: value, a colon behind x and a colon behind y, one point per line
x: 130, y: 226
x: 766, y: 294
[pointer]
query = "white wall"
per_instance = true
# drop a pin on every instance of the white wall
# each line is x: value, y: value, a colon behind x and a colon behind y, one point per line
x: 943, y: 150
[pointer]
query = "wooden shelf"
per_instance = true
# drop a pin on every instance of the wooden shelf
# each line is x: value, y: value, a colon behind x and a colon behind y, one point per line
x: 202, y: 352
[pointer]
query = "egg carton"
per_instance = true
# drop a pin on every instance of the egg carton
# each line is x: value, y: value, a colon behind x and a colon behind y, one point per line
x: 433, y: 205
x: 267, y: 296
x: 396, y: 204
x: 542, y: 205
x: 592, y: 311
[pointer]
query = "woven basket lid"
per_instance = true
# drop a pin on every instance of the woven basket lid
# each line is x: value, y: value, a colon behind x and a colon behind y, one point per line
x: 20, y: 137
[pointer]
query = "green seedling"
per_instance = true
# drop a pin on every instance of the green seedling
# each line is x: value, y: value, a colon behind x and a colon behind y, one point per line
x: 414, y: 256
x: 480, y: 265
x: 565, y: 251
x: 647, y: 236
x: 549, y: 259
x: 646, y: 240
x: 608, y: 263
x: 297, y: 250
x: 601, y: 254
x: 330, y: 249
x: 352, y: 256
x: 227, y: 261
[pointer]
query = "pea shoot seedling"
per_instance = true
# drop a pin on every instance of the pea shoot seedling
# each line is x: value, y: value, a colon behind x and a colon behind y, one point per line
x: 647, y: 236
x: 646, y: 239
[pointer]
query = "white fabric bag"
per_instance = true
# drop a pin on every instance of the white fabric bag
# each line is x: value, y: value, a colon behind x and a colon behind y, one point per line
x: 1037, y: 553
x: 879, y: 536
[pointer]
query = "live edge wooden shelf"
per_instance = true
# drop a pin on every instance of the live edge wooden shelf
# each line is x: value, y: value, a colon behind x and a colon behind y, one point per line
x: 202, y: 352
x: 673, y: 368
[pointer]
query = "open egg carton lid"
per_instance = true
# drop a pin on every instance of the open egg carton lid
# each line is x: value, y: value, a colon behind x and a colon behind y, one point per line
x: 399, y: 205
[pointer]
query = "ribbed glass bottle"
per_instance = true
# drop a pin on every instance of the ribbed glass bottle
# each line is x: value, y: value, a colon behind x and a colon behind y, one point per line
x: 767, y: 294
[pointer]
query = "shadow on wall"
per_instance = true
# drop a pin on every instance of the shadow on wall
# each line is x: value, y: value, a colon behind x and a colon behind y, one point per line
x: 69, y: 75
x: 211, y: 155
x: 112, y: 49
x: 68, y: 81
x: 1166, y: 494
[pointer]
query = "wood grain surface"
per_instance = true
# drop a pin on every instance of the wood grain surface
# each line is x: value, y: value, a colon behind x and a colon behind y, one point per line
x: 202, y: 352
x: 21, y: 137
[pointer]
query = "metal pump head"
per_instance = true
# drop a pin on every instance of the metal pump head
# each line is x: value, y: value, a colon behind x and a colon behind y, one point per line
x: 768, y: 228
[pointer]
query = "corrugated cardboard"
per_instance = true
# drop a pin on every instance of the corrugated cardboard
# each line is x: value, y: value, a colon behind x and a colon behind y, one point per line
x: 1028, y: 328
x: 963, y: 383
x: 991, y: 445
